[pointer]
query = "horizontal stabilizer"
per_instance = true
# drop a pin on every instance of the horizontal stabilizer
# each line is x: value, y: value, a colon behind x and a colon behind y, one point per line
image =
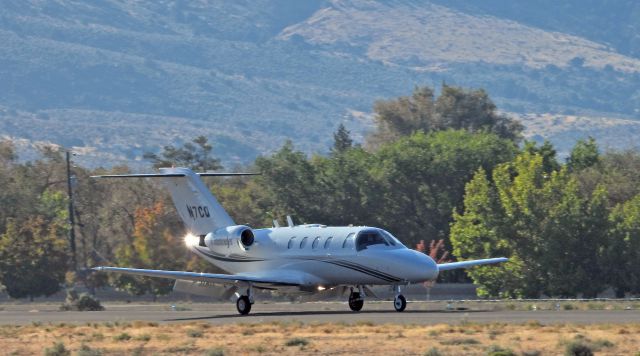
x: 467, y: 264
x: 170, y: 175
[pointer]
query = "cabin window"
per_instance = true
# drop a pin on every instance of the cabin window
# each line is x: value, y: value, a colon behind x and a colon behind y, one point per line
x: 303, y: 242
x: 328, y: 242
x: 348, y: 241
x: 316, y: 241
x: 290, y: 245
x: 369, y: 238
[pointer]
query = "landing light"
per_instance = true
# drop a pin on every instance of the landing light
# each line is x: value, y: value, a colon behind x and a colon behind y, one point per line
x: 321, y: 288
x: 191, y: 240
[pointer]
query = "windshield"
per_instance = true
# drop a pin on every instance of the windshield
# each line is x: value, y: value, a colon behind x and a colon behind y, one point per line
x: 372, y: 237
x: 392, y: 239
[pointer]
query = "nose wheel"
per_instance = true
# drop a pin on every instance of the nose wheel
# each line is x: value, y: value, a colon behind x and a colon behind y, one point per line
x: 355, y: 301
x: 399, y: 303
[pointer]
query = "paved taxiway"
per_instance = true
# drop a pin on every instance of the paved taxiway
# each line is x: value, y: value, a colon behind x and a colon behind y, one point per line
x: 326, y: 312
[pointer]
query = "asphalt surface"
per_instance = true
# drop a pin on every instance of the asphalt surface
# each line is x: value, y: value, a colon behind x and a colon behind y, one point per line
x: 318, y: 312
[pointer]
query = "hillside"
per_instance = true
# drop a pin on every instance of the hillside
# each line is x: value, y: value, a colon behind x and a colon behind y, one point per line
x: 117, y: 78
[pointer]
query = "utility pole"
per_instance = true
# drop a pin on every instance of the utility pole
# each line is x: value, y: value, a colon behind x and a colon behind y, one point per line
x: 72, y: 232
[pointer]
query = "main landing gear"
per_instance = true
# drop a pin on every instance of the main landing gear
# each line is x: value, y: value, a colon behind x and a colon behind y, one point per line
x: 244, y: 302
x: 355, y: 301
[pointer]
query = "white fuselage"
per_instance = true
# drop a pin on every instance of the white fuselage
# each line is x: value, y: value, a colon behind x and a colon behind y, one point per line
x: 318, y: 256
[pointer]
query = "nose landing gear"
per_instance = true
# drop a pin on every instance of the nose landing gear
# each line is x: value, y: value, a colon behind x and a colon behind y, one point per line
x: 399, y: 302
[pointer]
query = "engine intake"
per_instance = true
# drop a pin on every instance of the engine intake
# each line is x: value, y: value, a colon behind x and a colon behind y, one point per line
x: 241, y: 233
x: 246, y: 237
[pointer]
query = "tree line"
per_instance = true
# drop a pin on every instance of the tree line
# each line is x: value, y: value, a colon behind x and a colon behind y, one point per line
x: 450, y: 169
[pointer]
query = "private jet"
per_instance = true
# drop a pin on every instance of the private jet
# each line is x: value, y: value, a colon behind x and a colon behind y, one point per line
x: 293, y: 259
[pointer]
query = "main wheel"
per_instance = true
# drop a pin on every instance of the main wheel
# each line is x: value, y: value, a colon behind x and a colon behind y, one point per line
x: 399, y: 303
x: 355, y: 302
x: 244, y: 305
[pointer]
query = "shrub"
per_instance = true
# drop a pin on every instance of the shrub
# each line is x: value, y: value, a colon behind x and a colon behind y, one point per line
x: 578, y: 348
x: 87, y: 351
x: 82, y: 302
x: 568, y: 307
x: 602, y: 343
x: 122, y: 337
x: 495, y: 350
x: 433, y: 352
x: 194, y: 333
x: 531, y: 353
x: 143, y: 337
x: 58, y: 349
x: 297, y: 341
x: 215, y: 352
x: 460, y: 341
x: 87, y: 302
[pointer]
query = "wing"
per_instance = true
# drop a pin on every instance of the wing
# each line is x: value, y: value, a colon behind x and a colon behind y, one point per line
x: 467, y: 264
x: 259, y: 280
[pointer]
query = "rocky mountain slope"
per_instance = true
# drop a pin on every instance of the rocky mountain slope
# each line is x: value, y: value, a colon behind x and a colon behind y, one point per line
x: 117, y: 78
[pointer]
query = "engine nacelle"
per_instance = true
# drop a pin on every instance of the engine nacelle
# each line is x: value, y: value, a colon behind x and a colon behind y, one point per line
x: 241, y: 233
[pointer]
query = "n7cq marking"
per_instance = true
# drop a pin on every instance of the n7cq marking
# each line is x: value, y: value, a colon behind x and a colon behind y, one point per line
x: 198, y: 212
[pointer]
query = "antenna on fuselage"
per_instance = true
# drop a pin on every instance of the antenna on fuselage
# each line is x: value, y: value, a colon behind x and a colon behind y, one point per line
x: 276, y: 223
x: 290, y: 221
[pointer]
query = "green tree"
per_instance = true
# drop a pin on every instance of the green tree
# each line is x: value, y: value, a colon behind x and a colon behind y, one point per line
x: 196, y: 155
x: 553, y: 234
x: 403, y: 116
x: 290, y: 180
x: 547, y: 151
x: 455, y: 108
x: 585, y: 154
x: 617, y: 171
x: 341, y: 140
x: 33, y: 258
x: 480, y: 233
x: 474, y: 111
x: 622, y: 254
x: 346, y: 190
x: 420, y: 179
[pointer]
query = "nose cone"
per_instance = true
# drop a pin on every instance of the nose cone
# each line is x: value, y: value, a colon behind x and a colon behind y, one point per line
x: 420, y: 267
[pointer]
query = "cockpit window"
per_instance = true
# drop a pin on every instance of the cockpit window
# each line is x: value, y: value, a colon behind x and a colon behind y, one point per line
x: 348, y: 241
x: 316, y: 241
x: 369, y: 238
x: 291, y: 242
x: 391, y: 239
x: 303, y: 242
x: 328, y: 242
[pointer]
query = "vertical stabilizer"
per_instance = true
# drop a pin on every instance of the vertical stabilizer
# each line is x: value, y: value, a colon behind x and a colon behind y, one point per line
x: 197, y: 207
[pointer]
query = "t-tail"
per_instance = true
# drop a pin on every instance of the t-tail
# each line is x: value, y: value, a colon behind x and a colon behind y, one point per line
x: 198, y: 208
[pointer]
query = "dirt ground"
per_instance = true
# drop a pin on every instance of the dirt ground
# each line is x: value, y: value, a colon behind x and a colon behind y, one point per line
x: 294, y: 338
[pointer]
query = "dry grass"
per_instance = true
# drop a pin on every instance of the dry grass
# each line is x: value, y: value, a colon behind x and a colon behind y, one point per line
x: 145, y: 338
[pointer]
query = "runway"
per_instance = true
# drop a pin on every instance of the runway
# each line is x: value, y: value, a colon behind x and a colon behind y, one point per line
x: 320, y: 312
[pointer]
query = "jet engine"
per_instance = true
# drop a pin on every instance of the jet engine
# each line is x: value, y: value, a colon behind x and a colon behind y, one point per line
x: 241, y: 233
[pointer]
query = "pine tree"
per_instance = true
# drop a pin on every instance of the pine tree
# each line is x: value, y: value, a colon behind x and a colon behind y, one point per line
x: 341, y: 140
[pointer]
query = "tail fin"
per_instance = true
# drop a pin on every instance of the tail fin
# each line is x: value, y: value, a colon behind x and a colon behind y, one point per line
x: 198, y: 208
